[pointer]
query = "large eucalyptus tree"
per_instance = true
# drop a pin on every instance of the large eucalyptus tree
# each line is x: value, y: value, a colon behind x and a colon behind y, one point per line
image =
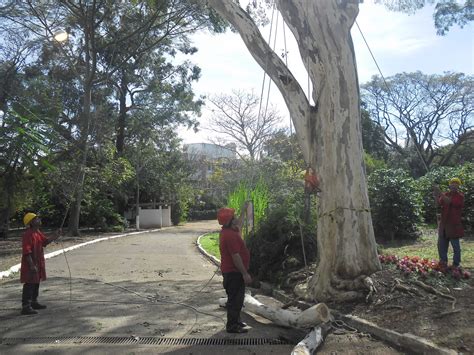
x: 328, y: 131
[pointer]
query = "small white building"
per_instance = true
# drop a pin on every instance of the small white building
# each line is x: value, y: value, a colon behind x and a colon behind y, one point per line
x: 151, y: 217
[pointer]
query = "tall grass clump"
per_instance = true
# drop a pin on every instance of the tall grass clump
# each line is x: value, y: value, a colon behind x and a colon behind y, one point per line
x: 237, y: 197
x: 260, y: 199
x: 259, y: 195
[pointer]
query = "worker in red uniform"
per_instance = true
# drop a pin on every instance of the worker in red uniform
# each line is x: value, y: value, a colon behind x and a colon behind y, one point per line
x: 450, y: 228
x: 311, y: 181
x: 235, y: 259
x: 33, y: 268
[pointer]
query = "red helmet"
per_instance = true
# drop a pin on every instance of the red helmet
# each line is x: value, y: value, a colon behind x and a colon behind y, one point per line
x: 225, y: 215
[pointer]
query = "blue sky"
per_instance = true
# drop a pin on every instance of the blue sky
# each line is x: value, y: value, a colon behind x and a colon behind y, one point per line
x: 399, y: 42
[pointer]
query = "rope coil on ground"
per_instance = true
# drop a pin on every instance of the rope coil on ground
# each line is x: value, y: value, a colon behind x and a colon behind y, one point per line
x: 340, y: 327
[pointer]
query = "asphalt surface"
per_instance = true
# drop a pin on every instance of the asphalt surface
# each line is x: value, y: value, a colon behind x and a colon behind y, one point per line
x: 143, y: 286
x: 149, y: 293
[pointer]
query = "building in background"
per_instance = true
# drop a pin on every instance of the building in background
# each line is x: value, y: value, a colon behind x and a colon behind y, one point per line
x: 207, y: 160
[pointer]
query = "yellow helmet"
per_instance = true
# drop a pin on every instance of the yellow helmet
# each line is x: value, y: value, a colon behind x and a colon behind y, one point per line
x: 28, y: 218
x: 455, y: 181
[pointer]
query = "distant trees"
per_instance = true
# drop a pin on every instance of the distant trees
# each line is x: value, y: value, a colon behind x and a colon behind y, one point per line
x: 243, y: 119
x: 447, y: 12
x: 419, y: 114
x: 74, y: 114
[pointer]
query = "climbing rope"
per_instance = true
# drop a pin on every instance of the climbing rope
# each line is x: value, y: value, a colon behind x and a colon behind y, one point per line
x: 340, y: 327
x: 389, y: 91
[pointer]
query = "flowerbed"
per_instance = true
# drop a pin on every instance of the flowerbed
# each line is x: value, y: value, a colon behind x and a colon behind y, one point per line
x: 424, y: 267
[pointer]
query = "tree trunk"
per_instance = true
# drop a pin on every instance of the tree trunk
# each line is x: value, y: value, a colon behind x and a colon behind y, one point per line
x: 9, y: 187
x: 84, y: 146
x: 7, y: 193
x: 75, y: 212
x: 329, y: 133
x: 310, y: 343
x: 122, y: 115
x: 346, y: 243
x: 308, y: 318
x: 90, y: 60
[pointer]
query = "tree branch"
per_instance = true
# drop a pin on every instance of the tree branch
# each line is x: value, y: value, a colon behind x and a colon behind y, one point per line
x: 292, y: 93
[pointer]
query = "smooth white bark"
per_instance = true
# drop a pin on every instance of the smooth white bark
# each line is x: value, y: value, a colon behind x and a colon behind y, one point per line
x: 310, y: 343
x: 308, y: 318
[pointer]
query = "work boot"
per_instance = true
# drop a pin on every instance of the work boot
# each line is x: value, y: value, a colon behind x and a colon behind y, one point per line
x: 236, y: 329
x: 27, y: 311
x: 36, y: 305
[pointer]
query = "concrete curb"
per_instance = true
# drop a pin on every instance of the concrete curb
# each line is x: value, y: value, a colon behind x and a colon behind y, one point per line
x: 212, y: 258
x: 16, y: 268
x: 406, y: 341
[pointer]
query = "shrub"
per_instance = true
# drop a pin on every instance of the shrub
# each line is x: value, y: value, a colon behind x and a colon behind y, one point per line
x: 276, y: 246
x: 180, y: 207
x: 395, y: 203
x: 202, y: 215
x: 100, y: 214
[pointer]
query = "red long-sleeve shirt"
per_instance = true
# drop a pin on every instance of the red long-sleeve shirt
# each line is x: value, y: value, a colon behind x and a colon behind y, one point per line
x: 230, y: 242
x: 451, y: 214
x: 33, y: 242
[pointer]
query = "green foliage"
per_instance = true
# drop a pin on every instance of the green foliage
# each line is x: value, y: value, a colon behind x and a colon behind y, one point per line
x: 372, y: 164
x: 395, y: 204
x: 44, y: 107
x: 99, y: 213
x: 447, y: 12
x: 180, y: 208
x: 417, y: 113
x: 259, y: 195
x: 373, y: 138
x: 201, y: 215
x: 210, y: 243
x: 260, y: 199
x: 450, y: 12
x: 237, y: 197
x: 276, y: 247
x: 284, y: 148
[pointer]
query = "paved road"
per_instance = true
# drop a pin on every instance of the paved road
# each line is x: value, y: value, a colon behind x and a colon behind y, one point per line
x: 153, y: 285
x: 139, y: 294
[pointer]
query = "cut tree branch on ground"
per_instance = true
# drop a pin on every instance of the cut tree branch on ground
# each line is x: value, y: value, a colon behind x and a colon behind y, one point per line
x: 312, y: 341
x: 432, y: 290
x: 410, y: 290
x: 447, y: 313
x: 308, y: 318
x: 405, y: 341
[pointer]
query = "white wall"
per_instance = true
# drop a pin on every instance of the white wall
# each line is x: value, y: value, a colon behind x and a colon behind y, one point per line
x: 155, y: 218
x: 166, y: 216
x: 150, y: 218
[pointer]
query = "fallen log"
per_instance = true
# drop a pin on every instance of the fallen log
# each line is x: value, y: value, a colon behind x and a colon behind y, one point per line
x: 406, y: 341
x: 308, y: 318
x: 310, y: 343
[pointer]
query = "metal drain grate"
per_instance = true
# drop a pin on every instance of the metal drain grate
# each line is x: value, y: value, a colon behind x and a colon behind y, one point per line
x: 144, y: 341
